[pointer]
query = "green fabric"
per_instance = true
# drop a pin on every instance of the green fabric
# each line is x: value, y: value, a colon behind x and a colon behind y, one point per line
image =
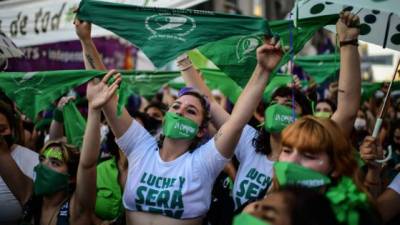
x: 108, y: 195
x: 49, y: 181
x: 346, y: 199
x: 163, y: 34
x: 247, y: 219
x: 144, y: 83
x: 277, y: 118
x: 200, y: 61
x: 179, y: 127
x: 236, y: 56
x: 324, y: 115
x: 280, y: 80
x: 294, y: 174
x: 35, y: 91
x: 58, y: 115
x: 368, y: 90
x: 74, y: 124
x: 216, y: 79
x: 319, y: 67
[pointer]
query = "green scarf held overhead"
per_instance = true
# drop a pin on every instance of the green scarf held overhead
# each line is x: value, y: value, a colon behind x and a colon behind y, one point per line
x: 163, y: 34
x: 74, y: 124
x: 319, y: 67
x: 279, y: 80
x: 236, y: 56
x: 35, y: 91
x: 215, y: 79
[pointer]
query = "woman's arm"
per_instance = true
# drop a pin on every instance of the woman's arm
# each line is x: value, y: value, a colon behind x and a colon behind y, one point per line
x: 349, y: 89
x: 268, y: 56
x: 18, y: 183
x: 118, y: 124
x: 85, y: 193
x: 193, y: 79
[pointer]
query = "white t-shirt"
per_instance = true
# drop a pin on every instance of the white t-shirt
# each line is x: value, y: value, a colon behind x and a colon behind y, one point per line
x: 180, y: 188
x: 395, y: 184
x: 10, y: 208
x: 255, y: 170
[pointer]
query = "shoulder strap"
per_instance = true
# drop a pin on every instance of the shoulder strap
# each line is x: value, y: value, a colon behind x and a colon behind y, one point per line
x: 63, y: 214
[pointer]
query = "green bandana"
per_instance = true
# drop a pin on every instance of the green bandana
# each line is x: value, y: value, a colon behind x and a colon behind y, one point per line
x: 277, y: 117
x: 236, y: 56
x: 324, y: 115
x: 53, y: 153
x: 49, y: 181
x: 179, y: 127
x: 319, y: 67
x: 247, y: 219
x: 294, y: 174
x: 164, y: 34
x: 345, y: 200
x: 74, y: 124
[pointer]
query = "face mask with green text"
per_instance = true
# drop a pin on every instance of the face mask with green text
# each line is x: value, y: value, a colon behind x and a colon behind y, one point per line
x: 277, y: 117
x: 179, y: 127
x: 294, y: 174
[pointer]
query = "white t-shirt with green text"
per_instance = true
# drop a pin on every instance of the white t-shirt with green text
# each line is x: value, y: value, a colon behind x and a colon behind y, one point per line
x: 180, y: 188
x: 255, y: 170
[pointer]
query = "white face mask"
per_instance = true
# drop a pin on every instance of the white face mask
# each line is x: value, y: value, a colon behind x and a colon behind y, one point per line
x: 360, y: 124
x: 103, y: 132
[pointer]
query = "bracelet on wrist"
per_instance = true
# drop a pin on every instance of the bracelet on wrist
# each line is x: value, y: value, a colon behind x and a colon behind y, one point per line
x: 353, y: 42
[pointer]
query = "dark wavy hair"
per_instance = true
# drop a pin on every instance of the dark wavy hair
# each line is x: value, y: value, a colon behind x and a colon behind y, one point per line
x: 206, y: 115
x: 261, y: 142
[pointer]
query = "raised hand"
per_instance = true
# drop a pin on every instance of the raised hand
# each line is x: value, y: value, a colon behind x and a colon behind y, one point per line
x: 269, y: 54
x: 347, y: 26
x: 369, y: 152
x: 83, y: 29
x: 64, y: 100
x: 99, y: 92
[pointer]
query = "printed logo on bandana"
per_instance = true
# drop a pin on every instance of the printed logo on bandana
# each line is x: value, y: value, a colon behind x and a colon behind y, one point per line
x: 284, y: 118
x: 29, y: 82
x: 161, y: 195
x: 246, y: 47
x: 251, y: 187
x: 170, y: 26
x: 184, y: 129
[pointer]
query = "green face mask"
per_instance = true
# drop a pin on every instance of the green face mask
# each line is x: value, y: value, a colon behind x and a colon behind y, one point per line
x: 247, y: 219
x: 325, y: 115
x: 179, y: 127
x: 277, y: 117
x: 294, y: 174
x: 49, y: 181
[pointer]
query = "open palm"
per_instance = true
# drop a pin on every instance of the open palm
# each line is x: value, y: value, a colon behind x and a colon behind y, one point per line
x: 99, y: 92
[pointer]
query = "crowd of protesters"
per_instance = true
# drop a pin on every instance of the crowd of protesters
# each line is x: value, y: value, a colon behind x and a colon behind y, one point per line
x: 203, y: 159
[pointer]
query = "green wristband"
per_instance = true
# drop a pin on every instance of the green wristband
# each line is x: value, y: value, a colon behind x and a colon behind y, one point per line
x: 58, y: 115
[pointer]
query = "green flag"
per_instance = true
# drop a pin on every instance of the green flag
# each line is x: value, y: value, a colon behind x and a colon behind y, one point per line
x: 216, y: 79
x: 74, y: 124
x: 236, y: 56
x: 319, y: 67
x: 163, y: 34
x: 35, y: 91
